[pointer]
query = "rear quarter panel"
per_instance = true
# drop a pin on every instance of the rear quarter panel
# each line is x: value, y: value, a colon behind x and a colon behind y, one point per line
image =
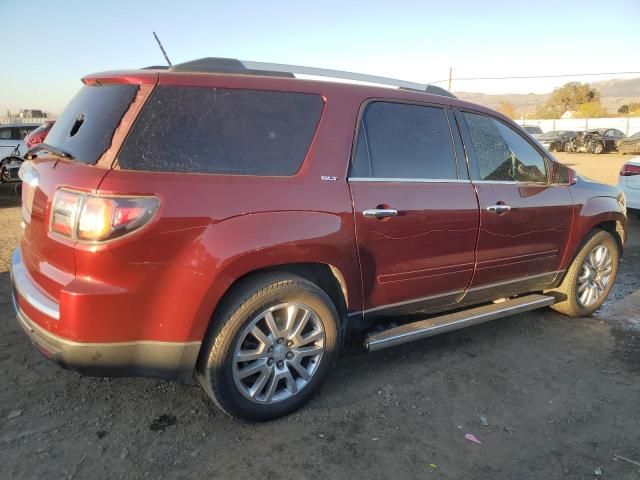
x: 213, y: 229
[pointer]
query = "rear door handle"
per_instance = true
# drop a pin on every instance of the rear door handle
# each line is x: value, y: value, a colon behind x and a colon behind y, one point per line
x: 498, y: 208
x: 380, y: 212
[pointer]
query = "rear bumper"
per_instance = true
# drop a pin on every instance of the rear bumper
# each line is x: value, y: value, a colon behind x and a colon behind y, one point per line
x: 147, y: 358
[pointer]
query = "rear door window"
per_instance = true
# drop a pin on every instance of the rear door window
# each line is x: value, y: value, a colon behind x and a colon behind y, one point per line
x: 223, y: 131
x: 86, y: 126
x: 404, y: 141
x: 502, y: 154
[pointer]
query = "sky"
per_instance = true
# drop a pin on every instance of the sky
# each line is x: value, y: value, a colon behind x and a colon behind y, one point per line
x: 57, y: 42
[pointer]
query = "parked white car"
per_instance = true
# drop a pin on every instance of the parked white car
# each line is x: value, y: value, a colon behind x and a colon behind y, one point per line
x: 12, y: 136
x: 630, y: 183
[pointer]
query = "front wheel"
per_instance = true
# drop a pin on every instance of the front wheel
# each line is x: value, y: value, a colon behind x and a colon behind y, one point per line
x: 273, y: 342
x: 590, y: 276
x: 598, y: 148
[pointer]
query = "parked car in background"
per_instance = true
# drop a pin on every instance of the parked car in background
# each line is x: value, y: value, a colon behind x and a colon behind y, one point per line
x: 38, y: 135
x: 629, y: 183
x: 153, y: 243
x: 12, y: 136
x: 533, y: 130
x: 596, y: 140
x: 556, y: 140
x: 12, y: 148
x: 629, y: 145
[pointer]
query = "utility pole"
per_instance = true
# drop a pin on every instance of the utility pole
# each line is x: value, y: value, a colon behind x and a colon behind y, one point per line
x: 450, y: 76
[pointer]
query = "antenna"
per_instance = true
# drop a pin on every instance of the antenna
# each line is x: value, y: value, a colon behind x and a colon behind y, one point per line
x: 162, y: 48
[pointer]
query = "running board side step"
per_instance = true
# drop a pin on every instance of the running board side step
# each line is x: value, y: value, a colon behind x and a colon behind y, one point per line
x: 454, y: 321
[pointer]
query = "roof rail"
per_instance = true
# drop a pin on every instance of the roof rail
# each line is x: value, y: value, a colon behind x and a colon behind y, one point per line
x: 230, y: 65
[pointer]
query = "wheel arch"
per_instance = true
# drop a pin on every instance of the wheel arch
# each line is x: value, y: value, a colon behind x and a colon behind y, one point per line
x: 599, y: 213
x: 326, y: 276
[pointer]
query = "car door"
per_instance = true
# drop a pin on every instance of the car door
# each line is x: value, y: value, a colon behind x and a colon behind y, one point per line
x: 525, y: 220
x: 416, y: 212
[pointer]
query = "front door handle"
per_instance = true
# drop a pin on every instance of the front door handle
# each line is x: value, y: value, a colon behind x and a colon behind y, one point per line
x: 380, y: 212
x: 498, y: 208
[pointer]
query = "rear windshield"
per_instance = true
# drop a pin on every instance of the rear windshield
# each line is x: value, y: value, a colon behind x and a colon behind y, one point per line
x: 85, y: 128
x: 224, y: 131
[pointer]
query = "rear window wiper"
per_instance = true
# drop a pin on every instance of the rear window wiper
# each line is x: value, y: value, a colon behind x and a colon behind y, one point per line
x: 30, y: 155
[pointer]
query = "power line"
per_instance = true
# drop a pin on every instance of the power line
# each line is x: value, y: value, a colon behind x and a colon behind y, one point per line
x: 518, y: 77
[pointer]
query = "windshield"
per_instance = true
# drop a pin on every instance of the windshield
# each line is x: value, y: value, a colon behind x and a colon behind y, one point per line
x: 85, y: 128
x: 533, y: 130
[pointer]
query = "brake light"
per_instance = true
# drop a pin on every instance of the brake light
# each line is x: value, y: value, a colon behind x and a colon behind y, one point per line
x: 33, y: 141
x: 64, y: 212
x: 99, y: 218
x: 630, y: 170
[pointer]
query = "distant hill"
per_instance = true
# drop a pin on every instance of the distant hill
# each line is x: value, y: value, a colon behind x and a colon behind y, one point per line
x: 613, y: 94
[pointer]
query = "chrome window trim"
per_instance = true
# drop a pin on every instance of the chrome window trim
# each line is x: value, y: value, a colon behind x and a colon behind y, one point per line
x: 406, y: 180
x: 513, y: 182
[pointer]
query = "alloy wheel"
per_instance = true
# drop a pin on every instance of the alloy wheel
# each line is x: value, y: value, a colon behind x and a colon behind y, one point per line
x: 278, y: 352
x: 595, y: 275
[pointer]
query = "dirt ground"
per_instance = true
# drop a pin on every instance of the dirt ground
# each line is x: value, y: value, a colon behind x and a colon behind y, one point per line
x: 560, y: 397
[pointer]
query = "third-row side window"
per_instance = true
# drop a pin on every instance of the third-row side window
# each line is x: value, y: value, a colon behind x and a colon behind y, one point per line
x: 503, y: 154
x: 398, y: 140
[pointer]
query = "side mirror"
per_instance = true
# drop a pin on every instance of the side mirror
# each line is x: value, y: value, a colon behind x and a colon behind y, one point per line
x: 563, y: 175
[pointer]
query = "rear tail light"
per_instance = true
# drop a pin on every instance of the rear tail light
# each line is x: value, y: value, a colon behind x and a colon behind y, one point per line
x: 99, y: 218
x: 33, y: 141
x: 630, y: 170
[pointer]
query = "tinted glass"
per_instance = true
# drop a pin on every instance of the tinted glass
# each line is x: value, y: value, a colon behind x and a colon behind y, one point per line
x: 404, y: 141
x: 216, y: 130
x: 503, y: 154
x: 5, y: 133
x: 86, y: 126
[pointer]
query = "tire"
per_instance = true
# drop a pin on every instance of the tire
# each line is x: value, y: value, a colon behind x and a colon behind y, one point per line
x: 569, y: 301
x: 256, y: 304
x: 598, y: 148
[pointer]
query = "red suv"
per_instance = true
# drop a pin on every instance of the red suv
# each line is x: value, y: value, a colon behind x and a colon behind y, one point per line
x: 230, y: 221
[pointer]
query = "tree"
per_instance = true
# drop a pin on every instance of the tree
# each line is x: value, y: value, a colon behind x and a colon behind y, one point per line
x: 571, y: 95
x: 631, y: 109
x: 546, y: 112
x: 591, y: 110
x: 508, y: 109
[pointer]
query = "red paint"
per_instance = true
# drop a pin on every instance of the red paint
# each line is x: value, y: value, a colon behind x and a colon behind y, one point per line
x: 164, y: 282
x: 530, y: 239
x: 38, y: 135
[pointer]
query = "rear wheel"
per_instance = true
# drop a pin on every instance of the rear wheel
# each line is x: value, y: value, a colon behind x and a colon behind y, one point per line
x: 590, y: 276
x: 273, y: 343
